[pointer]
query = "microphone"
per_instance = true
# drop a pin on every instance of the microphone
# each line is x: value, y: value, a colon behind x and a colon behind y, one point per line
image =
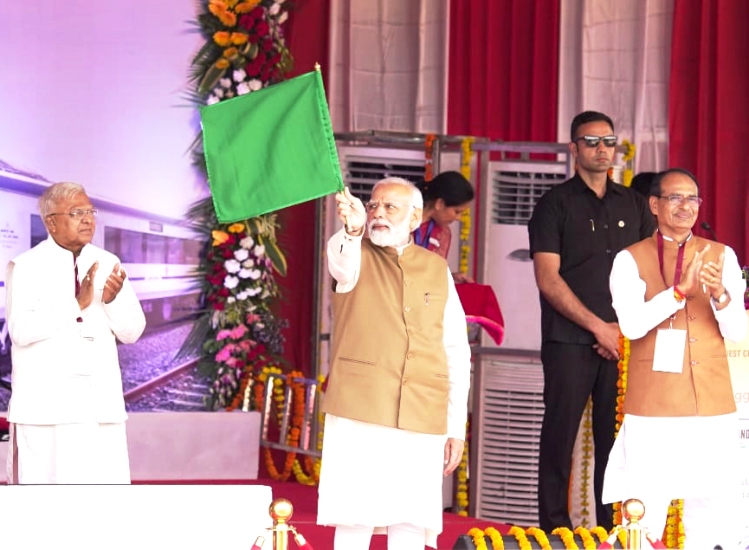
x: 706, y: 226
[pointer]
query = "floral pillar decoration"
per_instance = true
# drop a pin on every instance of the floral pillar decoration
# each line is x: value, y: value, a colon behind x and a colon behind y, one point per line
x: 627, y: 158
x: 236, y: 335
x: 466, y: 152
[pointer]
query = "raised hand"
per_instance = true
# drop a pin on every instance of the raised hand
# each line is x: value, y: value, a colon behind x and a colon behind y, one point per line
x: 86, y: 293
x: 350, y: 211
x: 114, y: 284
x: 711, y: 277
x: 690, y: 277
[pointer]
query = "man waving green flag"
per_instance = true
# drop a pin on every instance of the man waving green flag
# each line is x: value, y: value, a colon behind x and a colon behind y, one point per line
x: 270, y: 149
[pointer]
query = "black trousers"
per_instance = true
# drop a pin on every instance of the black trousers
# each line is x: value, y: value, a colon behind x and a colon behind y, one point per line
x: 572, y: 373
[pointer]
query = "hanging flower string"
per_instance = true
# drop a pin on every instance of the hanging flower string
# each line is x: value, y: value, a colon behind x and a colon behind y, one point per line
x: 466, y: 152
x: 429, y: 156
x: 627, y: 158
x: 587, y: 457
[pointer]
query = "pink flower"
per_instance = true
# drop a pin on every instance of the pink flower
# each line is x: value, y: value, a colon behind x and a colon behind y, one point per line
x: 225, y: 353
x: 238, y: 332
x: 223, y: 334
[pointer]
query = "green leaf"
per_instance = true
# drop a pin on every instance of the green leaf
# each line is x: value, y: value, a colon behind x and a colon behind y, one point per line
x: 210, y: 79
x: 277, y: 257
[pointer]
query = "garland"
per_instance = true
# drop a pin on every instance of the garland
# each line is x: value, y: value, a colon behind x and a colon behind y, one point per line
x: 588, y: 542
x: 466, y: 153
x: 627, y: 158
x: 429, y: 156
x: 461, y: 491
x: 539, y: 537
x: 312, y: 465
x: 567, y: 536
x: 297, y: 415
x: 587, y: 446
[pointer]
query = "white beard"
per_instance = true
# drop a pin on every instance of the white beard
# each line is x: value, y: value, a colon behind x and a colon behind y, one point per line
x: 395, y: 236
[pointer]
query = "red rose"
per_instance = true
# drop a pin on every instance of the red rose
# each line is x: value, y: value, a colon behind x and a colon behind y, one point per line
x: 261, y: 28
x: 254, y: 66
x: 246, y: 21
x: 227, y: 253
x: 218, y: 306
x: 257, y: 13
x: 223, y: 292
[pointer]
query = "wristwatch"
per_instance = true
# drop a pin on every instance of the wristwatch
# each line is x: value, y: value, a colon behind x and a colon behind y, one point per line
x: 722, y: 299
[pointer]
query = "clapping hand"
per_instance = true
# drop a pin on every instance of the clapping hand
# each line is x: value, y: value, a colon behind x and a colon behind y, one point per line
x: 114, y: 284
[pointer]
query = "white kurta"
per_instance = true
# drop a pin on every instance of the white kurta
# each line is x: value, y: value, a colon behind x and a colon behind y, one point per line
x: 66, y: 371
x: 378, y: 476
x: 672, y: 457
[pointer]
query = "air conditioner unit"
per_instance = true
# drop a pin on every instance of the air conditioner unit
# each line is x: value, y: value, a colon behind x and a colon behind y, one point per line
x: 512, y: 189
x: 507, y: 415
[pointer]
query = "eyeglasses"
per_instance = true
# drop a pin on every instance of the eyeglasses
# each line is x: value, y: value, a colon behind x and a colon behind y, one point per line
x: 678, y: 200
x: 78, y: 213
x: 390, y: 207
x: 593, y: 141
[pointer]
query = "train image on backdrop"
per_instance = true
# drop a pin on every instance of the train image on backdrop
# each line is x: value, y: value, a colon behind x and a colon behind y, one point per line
x: 159, y: 254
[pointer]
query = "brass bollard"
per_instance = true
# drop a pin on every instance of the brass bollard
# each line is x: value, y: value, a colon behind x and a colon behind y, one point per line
x: 280, y: 512
x: 632, y: 511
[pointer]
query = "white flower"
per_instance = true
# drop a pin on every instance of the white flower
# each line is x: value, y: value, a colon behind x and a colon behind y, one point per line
x: 225, y: 83
x: 245, y: 273
x: 230, y: 281
x: 254, y: 291
x: 218, y: 92
x: 249, y: 262
x: 239, y: 75
x: 283, y: 17
x: 274, y: 9
x: 243, y: 88
x: 211, y: 100
x: 232, y: 266
x: 247, y: 242
x: 259, y: 251
x: 253, y: 274
x: 255, y: 84
x: 241, y: 296
x: 231, y: 300
x: 241, y: 254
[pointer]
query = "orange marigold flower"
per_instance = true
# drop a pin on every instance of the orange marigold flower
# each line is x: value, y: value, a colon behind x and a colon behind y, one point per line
x: 222, y: 64
x: 219, y: 237
x: 246, y: 6
x: 227, y: 18
x: 217, y: 7
x: 230, y: 52
x: 238, y: 38
x: 231, y: 3
x: 222, y: 38
x: 236, y: 228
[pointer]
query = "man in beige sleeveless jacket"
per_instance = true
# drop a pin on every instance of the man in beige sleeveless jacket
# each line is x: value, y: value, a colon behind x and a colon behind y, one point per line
x: 677, y: 296
x: 396, y: 401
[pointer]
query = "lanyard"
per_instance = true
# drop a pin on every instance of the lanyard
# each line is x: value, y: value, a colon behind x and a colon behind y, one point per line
x: 424, y: 240
x: 679, y: 260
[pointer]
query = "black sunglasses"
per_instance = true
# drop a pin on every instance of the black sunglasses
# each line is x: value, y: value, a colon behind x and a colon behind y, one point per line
x: 593, y: 141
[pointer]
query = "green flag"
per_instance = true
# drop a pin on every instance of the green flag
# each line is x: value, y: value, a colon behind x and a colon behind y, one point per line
x: 270, y: 149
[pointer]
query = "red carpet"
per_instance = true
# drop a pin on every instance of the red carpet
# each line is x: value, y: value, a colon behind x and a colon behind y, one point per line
x: 304, y: 500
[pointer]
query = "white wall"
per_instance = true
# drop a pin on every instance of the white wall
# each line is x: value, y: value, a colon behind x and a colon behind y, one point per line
x: 93, y: 92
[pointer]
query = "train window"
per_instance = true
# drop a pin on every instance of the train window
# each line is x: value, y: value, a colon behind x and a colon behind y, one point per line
x: 146, y: 248
x: 38, y: 231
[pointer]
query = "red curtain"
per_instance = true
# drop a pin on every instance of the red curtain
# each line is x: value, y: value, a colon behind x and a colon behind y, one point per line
x: 708, y: 114
x: 503, y: 69
x: 306, y: 33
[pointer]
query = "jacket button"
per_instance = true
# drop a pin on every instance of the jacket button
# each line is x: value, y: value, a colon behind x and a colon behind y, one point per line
x: 693, y: 362
x: 407, y: 309
x: 409, y: 355
x: 692, y: 340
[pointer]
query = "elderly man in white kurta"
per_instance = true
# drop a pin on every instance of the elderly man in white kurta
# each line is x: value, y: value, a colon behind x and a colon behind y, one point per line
x: 396, y: 401
x: 677, y: 296
x: 67, y: 303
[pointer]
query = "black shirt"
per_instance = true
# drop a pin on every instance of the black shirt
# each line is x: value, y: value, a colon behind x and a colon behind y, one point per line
x: 587, y: 232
